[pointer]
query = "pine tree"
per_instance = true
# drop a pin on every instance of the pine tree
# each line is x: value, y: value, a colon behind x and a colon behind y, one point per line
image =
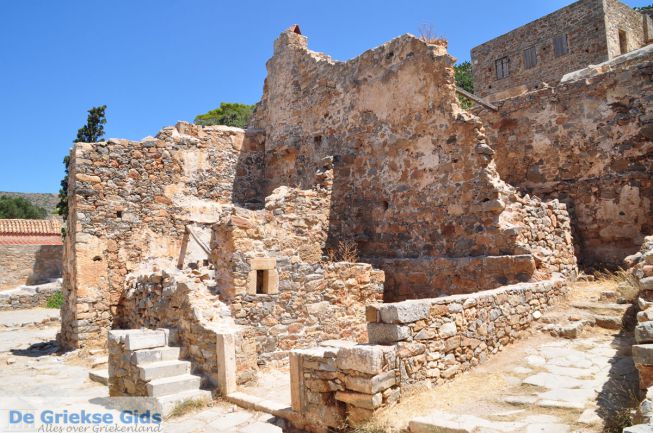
x: 92, y: 132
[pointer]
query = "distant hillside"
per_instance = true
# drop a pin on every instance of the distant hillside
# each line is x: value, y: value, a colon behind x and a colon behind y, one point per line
x: 45, y: 200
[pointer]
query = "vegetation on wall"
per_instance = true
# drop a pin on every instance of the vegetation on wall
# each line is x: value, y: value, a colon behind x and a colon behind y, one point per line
x: 20, y: 208
x: 229, y: 114
x: 92, y: 132
x: 464, y: 80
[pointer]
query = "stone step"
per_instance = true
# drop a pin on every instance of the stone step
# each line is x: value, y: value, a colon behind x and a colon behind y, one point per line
x: 161, y: 369
x: 601, y: 306
x: 99, y: 376
x: 146, y: 356
x: 608, y: 322
x: 99, y: 361
x: 172, y: 385
x: 168, y: 403
x: 146, y: 339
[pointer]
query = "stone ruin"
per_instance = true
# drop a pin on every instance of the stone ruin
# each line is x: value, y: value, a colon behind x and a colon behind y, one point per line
x: 232, y: 239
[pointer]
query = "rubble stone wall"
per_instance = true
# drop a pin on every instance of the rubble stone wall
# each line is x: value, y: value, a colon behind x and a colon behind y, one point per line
x: 413, y: 177
x: 29, y: 264
x: 341, y: 383
x: 313, y: 299
x: 587, y: 143
x: 172, y: 299
x: 436, y: 339
x: 130, y: 201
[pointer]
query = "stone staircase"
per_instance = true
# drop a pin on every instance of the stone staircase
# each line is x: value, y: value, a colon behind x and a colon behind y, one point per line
x: 144, y: 363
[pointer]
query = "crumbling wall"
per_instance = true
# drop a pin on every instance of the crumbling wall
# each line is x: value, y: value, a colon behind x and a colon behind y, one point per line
x: 186, y: 302
x: 303, y: 299
x: 129, y: 201
x: 587, y: 143
x: 413, y: 176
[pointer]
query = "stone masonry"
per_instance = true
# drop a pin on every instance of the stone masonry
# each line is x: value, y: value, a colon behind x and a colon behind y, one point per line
x: 593, y: 31
x: 588, y: 143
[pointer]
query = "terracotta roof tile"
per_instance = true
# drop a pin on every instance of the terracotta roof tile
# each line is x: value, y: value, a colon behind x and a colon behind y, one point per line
x: 30, y: 227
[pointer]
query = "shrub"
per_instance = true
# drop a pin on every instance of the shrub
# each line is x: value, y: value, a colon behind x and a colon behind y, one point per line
x: 55, y: 300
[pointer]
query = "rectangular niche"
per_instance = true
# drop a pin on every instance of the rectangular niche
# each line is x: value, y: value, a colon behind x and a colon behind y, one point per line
x: 263, y: 277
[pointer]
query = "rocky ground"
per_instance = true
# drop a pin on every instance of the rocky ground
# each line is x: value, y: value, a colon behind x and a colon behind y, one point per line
x: 31, y: 367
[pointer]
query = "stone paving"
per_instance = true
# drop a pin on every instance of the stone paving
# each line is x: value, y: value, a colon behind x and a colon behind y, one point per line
x: 541, y: 385
x: 30, y: 367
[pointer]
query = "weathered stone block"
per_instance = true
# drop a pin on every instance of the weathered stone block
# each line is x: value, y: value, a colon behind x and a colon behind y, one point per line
x: 365, y: 401
x: 263, y: 263
x: 365, y: 359
x: 643, y: 354
x: 404, y: 312
x: 145, y: 339
x: 644, y: 333
x: 370, y: 385
x: 646, y: 283
x: 386, y: 333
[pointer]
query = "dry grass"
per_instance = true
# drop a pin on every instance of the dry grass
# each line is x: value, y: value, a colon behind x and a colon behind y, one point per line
x: 347, y: 251
x: 426, y: 34
x: 186, y: 407
x: 623, y: 282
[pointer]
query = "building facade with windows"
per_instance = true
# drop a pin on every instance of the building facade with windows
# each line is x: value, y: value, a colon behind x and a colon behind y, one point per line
x: 583, y: 33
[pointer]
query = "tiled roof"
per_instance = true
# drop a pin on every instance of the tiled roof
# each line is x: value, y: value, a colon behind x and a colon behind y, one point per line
x: 30, y: 227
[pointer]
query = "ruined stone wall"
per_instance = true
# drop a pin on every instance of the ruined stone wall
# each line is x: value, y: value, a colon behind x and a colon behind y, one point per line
x: 187, y: 302
x: 436, y: 339
x: 132, y: 200
x: 29, y: 264
x: 413, y: 177
x: 619, y: 16
x: 306, y: 299
x: 584, y: 24
x: 587, y: 143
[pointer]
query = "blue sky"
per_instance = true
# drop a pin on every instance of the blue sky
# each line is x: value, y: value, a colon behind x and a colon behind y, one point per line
x: 154, y: 62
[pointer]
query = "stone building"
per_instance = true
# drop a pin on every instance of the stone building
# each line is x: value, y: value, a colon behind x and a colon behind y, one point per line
x: 363, y: 204
x: 30, y: 252
x: 541, y: 52
x: 206, y: 229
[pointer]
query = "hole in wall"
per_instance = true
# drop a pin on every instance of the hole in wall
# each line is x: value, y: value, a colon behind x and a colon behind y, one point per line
x: 386, y: 205
x: 622, y: 213
x: 97, y: 259
x: 119, y: 214
x: 260, y: 275
x: 317, y: 140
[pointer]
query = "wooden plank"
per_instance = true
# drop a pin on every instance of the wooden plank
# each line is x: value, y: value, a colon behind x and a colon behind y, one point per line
x: 476, y: 99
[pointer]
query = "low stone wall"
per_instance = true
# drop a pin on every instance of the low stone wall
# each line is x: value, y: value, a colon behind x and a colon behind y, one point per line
x: 436, y: 339
x: 342, y: 383
x: 640, y: 265
x: 29, y: 264
x: 28, y: 296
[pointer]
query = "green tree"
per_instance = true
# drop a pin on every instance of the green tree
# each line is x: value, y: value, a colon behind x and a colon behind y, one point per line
x: 229, y: 113
x: 464, y: 80
x: 644, y: 8
x: 18, y: 207
x: 92, y: 132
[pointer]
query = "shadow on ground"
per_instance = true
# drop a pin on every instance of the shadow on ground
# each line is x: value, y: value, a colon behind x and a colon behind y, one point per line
x: 620, y: 395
